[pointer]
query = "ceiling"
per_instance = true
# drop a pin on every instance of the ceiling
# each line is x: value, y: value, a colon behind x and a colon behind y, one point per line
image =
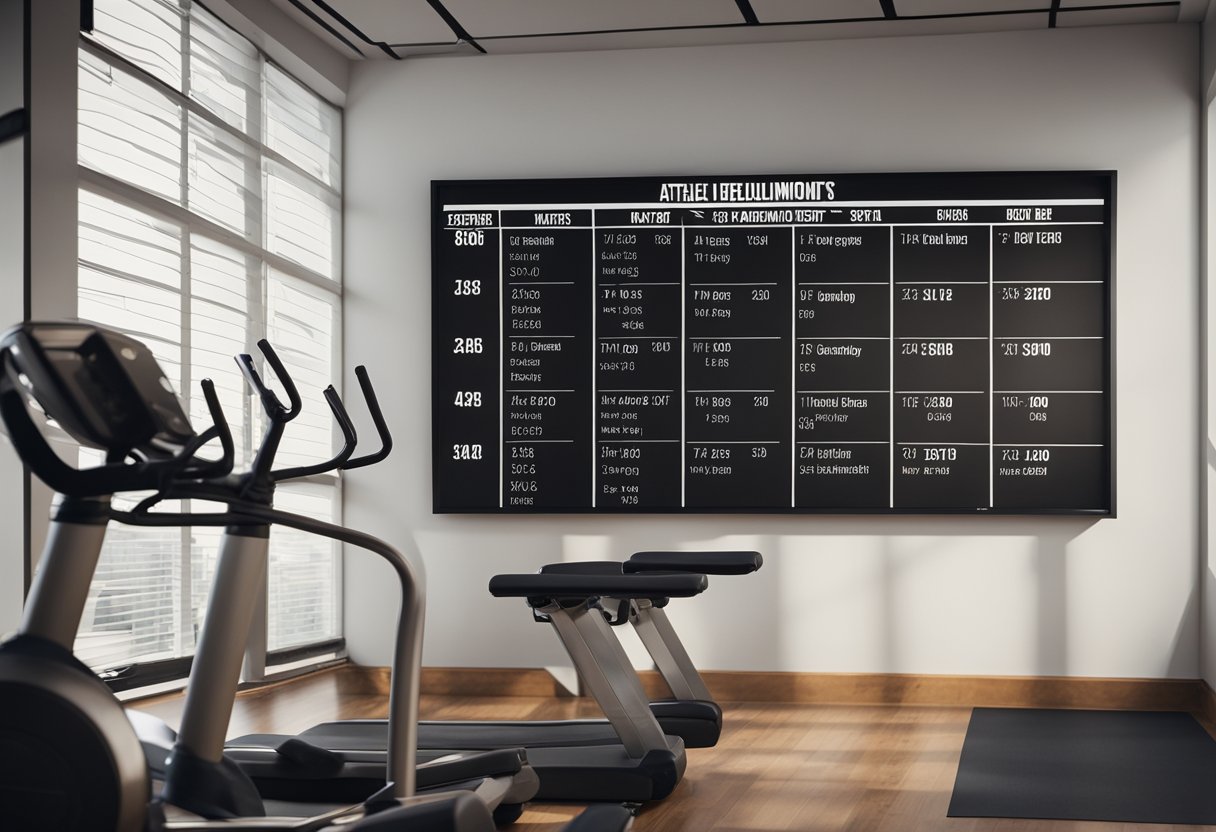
x: 394, y: 29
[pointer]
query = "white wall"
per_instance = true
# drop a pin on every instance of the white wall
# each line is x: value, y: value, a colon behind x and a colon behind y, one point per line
x: 53, y: 199
x: 868, y: 594
x: 48, y: 207
x: 12, y: 293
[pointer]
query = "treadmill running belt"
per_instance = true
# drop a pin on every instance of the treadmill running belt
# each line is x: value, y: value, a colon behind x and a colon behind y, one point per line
x: 373, y: 734
x: 1120, y: 766
x: 698, y: 723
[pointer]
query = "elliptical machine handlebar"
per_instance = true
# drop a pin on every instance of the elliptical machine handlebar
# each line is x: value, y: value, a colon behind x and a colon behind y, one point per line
x: 259, y: 480
x: 222, y: 466
x: 373, y: 407
x: 274, y: 408
x: 258, y: 483
x: 349, y: 440
x: 261, y: 477
x: 342, y: 461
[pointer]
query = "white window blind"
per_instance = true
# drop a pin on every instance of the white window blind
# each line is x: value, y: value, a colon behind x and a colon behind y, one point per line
x: 210, y: 217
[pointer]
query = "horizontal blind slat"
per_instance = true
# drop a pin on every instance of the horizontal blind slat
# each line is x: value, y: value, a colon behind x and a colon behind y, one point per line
x: 173, y: 251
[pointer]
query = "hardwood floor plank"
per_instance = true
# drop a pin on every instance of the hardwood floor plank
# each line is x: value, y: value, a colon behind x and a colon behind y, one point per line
x: 778, y: 766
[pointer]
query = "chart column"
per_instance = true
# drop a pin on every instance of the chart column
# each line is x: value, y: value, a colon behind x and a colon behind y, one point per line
x: 467, y: 362
x: 1049, y: 318
x: 941, y: 373
x: 547, y: 277
x: 842, y: 366
x: 738, y: 353
x: 637, y: 360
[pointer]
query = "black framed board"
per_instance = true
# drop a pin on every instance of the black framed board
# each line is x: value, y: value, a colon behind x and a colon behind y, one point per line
x: 892, y: 343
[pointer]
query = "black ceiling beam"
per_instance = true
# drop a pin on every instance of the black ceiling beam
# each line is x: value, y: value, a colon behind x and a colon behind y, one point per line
x: 749, y: 14
x: 821, y: 22
x: 454, y: 24
x: 354, y: 30
x: 888, y: 9
x: 1055, y: 11
x: 315, y: 18
x: 1097, y: 6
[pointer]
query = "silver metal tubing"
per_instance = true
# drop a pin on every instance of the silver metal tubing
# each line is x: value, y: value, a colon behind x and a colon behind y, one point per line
x: 407, y: 658
x: 406, y: 680
x: 665, y: 648
x: 60, y: 588
x: 254, y: 667
x: 216, y: 670
x: 605, y: 668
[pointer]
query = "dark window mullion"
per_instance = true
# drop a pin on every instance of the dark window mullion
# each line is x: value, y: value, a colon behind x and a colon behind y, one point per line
x: 259, y: 636
x: 186, y: 632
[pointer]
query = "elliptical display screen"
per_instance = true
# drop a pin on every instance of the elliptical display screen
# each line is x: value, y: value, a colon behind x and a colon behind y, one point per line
x: 895, y: 343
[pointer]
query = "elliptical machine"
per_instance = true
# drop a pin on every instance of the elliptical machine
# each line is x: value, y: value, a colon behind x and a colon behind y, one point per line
x: 69, y: 759
x: 299, y: 776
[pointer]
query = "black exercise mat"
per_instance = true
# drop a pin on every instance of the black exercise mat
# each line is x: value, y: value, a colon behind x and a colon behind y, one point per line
x: 1123, y: 766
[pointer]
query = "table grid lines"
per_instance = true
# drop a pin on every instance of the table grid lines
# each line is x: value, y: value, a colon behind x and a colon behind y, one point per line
x: 720, y: 437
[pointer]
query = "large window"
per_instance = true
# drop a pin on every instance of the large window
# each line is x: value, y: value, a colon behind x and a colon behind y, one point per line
x: 210, y: 217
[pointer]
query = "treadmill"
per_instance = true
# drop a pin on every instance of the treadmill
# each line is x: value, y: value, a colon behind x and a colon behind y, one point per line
x: 691, y: 712
x: 631, y: 756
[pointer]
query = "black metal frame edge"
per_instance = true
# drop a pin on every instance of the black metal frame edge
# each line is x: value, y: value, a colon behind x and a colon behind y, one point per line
x: 146, y: 674
x: 1111, y: 351
x: 749, y: 14
x: 305, y: 651
x: 745, y: 511
x: 1053, y: 14
x: 1111, y: 177
x: 888, y: 9
x: 435, y: 352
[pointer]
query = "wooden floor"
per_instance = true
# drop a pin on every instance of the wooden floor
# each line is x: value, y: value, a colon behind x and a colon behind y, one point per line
x: 777, y: 766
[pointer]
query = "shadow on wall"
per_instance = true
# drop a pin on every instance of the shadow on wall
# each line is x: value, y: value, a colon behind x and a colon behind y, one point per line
x: 900, y: 598
x: 976, y: 596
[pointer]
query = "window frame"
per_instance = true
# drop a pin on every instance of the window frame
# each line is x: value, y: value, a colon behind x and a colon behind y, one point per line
x: 261, y: 664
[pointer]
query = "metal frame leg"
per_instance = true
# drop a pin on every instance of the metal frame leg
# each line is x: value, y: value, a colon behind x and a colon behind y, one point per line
x: 605, y: 668
x: 665, y: 648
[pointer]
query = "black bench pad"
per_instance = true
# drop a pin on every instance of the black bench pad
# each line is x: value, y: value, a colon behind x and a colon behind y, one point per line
x: 567, y: 587
x: 706, y: 563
